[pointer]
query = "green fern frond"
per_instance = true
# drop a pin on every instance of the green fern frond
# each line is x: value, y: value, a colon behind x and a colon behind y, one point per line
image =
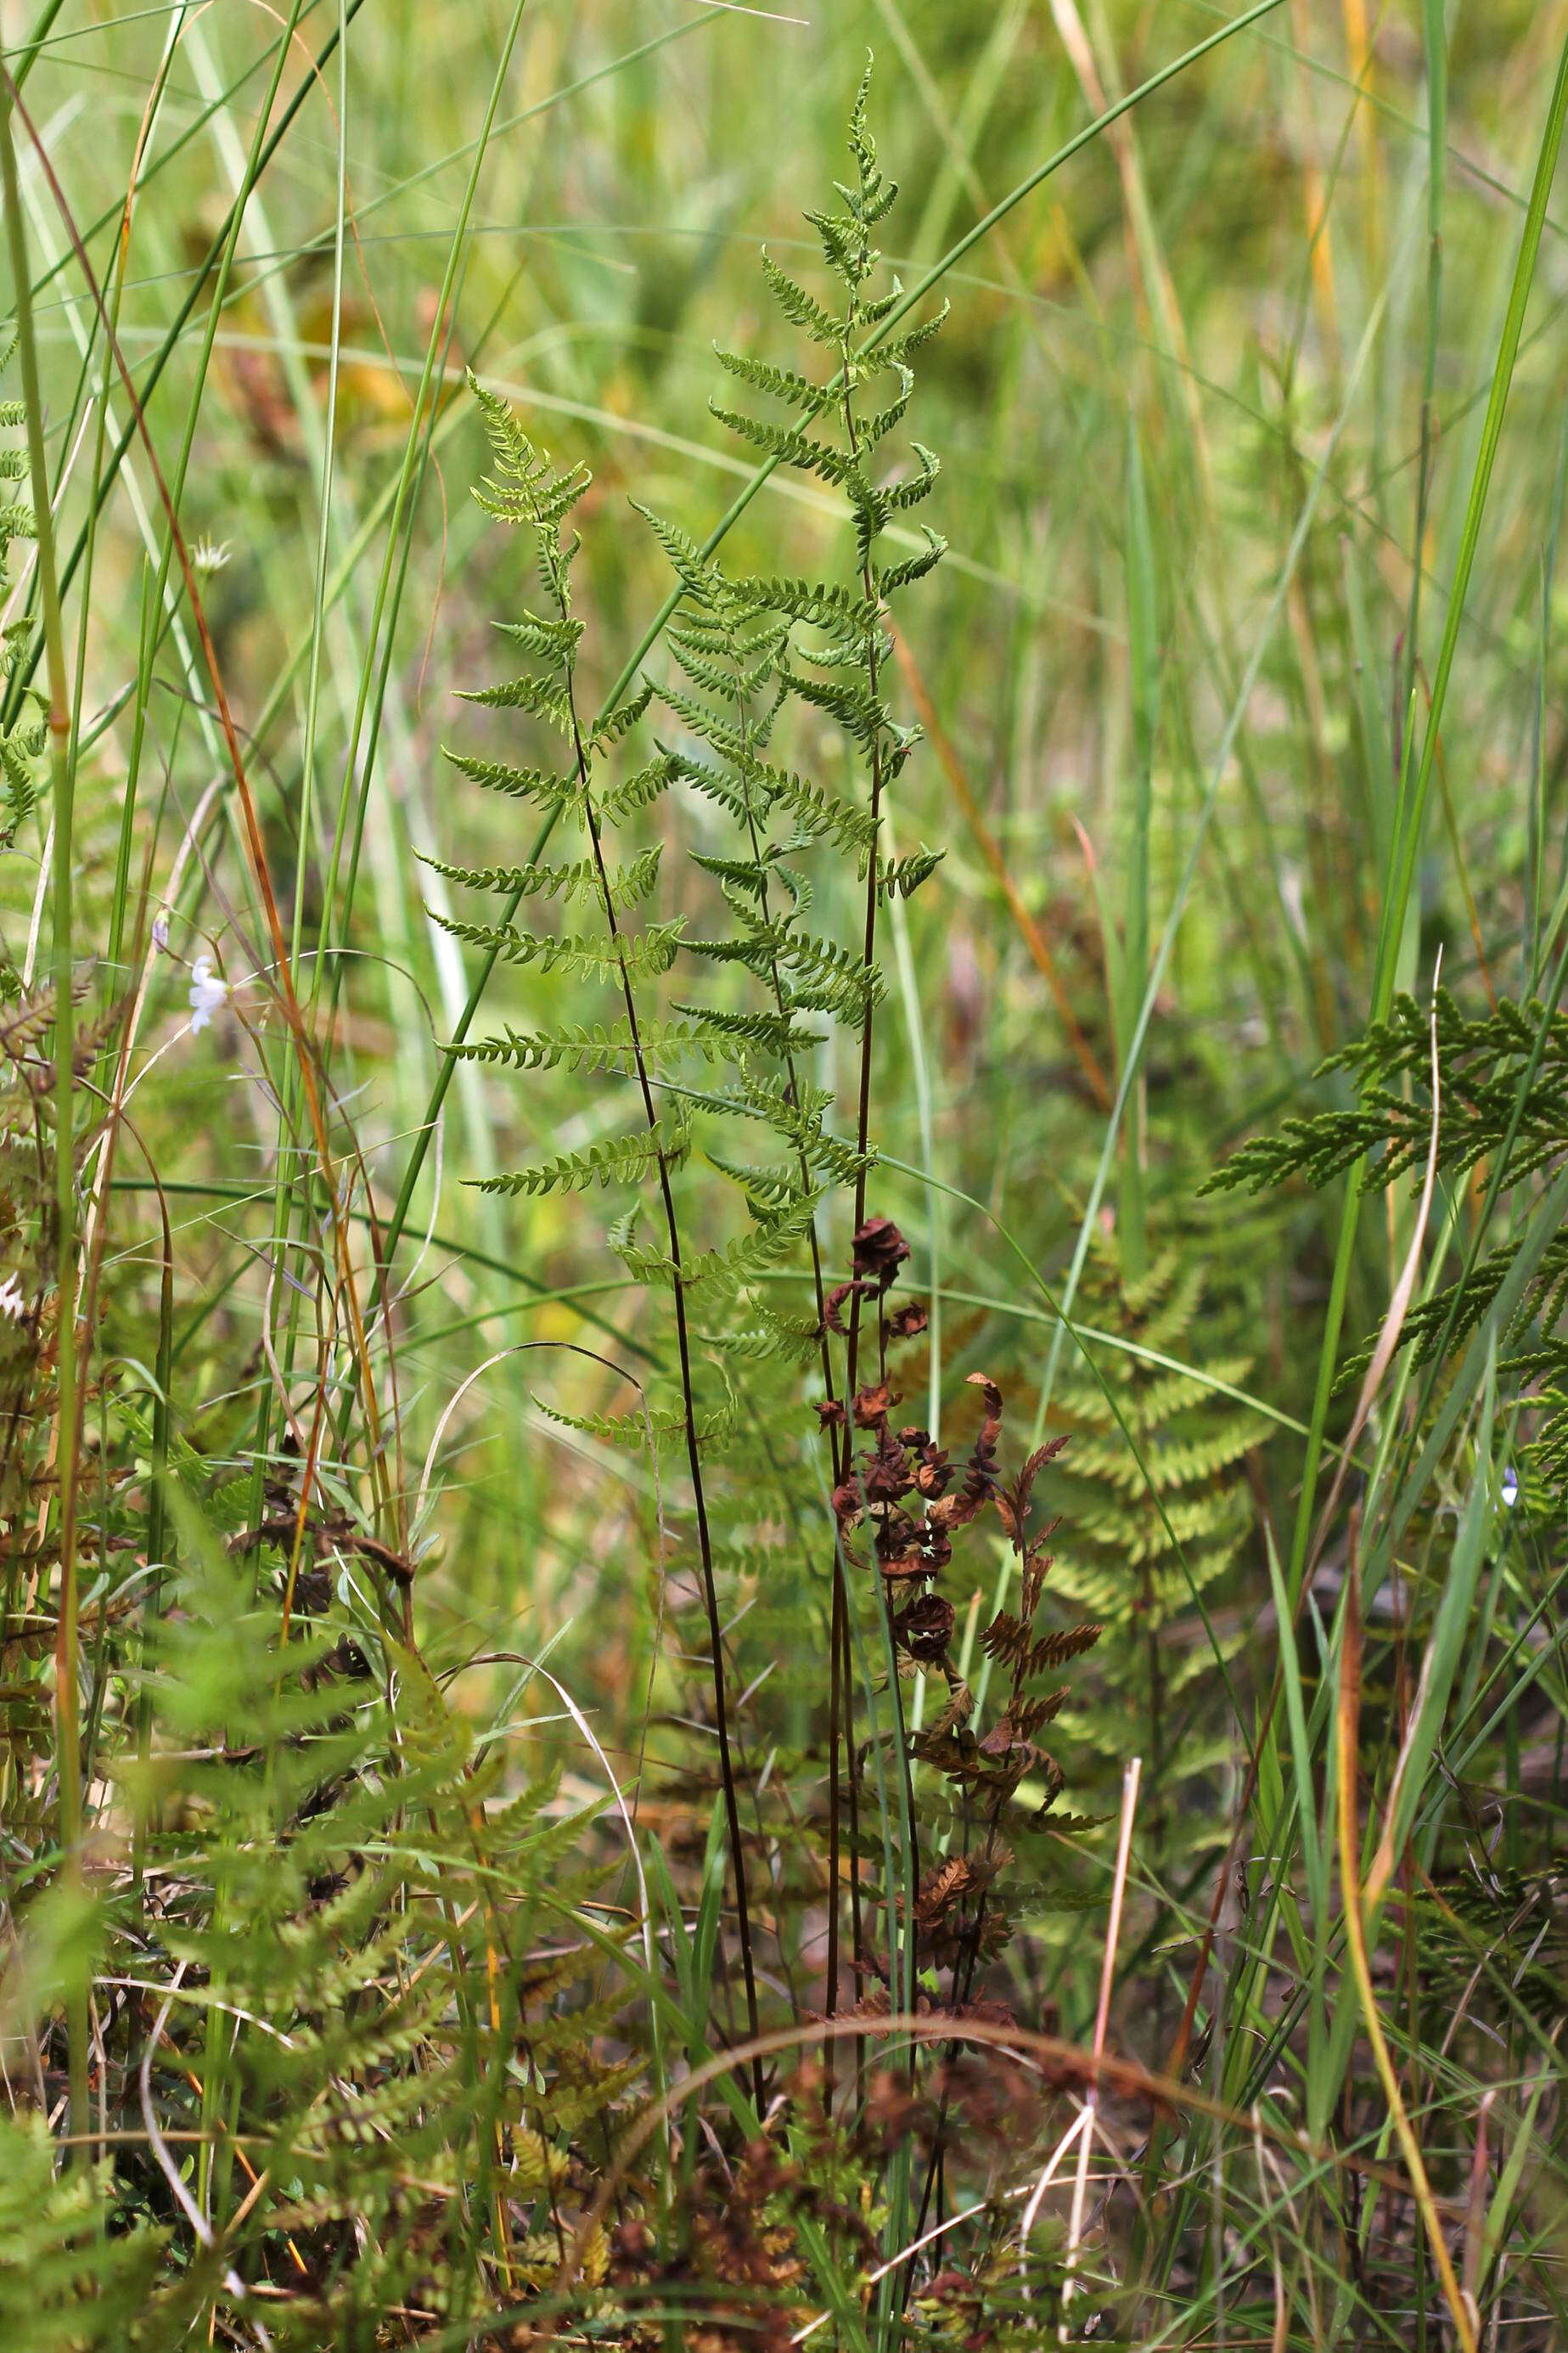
x: 732, y: 743
x: 766, y: 1099
x: 894, y: 576
x: 638, y: 791
x: 607, y: 1047
x: 862, y: 714
x: 69, y: 2284
x: 1503, y: 1083
x: 752, y: 1255
x: 785, y: 1101
x: 902, y: 349
x: 796, y: 1115
x: 548, y: 790
x: 902, y: 877
x: 644, y: 954
x: 784, y: 383
x: 1484, y: 1062
x: 820, y: 811
x: 542, y: 698
x: 622, y: 1160
x: 729, y: 790
x: 761, y: 1345
x: 770, y: 1190
x: 767, y: 1033
x: 667, y: 1427
x: 552, y: 642
x: 788, y: 445
x: 1170, y: 1462
x: 609, y: 729
x: 723, y: 671
x: 873, y: 430
x: 898, y: 497
x: 626, y: 885
x: 698, y: 573
x: 800, y: 308
x: 814, y: 808
x: 826, y: 978
x: 824, y: 604
x: 1152, y: 1495
x: 746, y: 875
x: 525, y: 487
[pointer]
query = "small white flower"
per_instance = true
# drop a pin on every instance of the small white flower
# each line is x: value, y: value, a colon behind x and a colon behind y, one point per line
x: 12, y: 1301
x: 1509, y: 1488
x: 160, y: 933
x: 210, y: 556
x: 207, y: 993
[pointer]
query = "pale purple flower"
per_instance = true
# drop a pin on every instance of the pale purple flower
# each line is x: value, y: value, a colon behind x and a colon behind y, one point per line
x: 207, y: 993
x: 160, y: 933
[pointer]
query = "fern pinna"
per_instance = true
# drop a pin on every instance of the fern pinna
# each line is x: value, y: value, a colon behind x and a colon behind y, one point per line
x: 750, y: 655
x: 1155, y: 1509
x: 1502, y: 1081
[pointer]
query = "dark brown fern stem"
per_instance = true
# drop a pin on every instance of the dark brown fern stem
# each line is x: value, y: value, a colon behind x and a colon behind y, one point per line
x: 863, y: 1127
x: 965, y: 1968
x: 869, y: 951
x: 839, y: 1690
x: 1155, y: 1784
x: 693, y: 1454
